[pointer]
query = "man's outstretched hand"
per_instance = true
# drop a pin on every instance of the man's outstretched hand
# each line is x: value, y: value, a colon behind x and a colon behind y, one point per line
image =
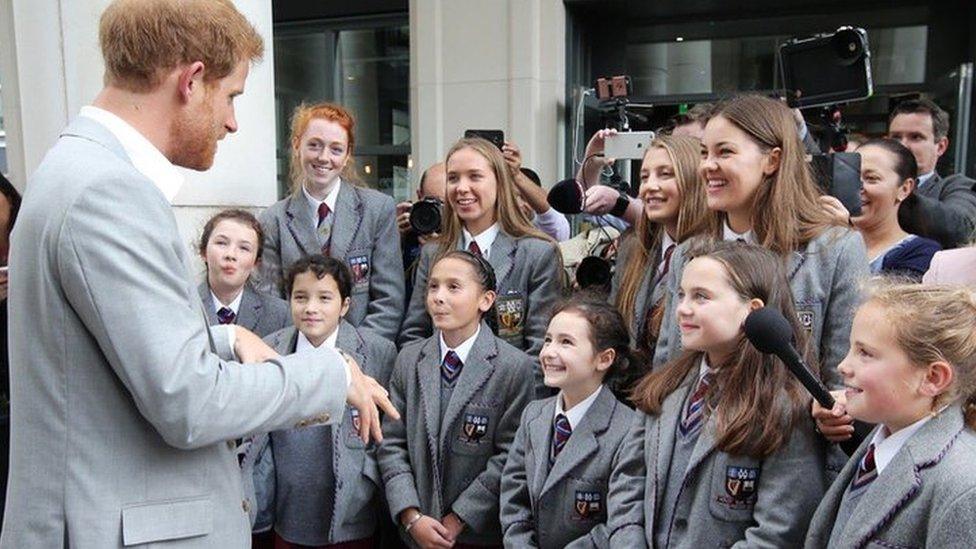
x: 368, y: 397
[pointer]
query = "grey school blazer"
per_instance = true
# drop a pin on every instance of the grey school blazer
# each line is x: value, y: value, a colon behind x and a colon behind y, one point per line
x: 454, y: 463
x: 925, y: 497
x: 943, y: 209
x: 789, y: 486
x: 363, y: 233
x: 825, y: 277
x: 529, y: 276
x: 354, y: 464
x: 260, y: 313
x: 565, y: 506
x: 120, y: 412
x: 647, y: 294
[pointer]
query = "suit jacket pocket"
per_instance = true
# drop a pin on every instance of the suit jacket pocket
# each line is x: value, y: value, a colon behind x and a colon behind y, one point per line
x: 166, y: 520
x: 734, y: 488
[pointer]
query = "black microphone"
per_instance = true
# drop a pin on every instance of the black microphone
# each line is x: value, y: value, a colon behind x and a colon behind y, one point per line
x: 566, y: 197
x: 770, y: 333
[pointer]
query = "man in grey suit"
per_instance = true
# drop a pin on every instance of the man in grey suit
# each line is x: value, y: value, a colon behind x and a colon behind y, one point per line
x: 943, y: 209
x: 121, y: 412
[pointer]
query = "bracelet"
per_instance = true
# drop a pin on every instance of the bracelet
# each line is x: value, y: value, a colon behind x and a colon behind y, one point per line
x: 413, y: 521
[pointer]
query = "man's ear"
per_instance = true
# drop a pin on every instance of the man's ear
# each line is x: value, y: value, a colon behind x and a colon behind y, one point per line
x: 190, y: 80
x: 941, y: 146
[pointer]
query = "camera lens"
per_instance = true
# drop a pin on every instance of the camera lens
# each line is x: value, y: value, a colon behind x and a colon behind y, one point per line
x: 425, y: 216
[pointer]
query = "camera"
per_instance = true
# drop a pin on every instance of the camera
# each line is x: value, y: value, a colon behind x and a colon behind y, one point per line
x: 827, y: 68
x: 426, y: 216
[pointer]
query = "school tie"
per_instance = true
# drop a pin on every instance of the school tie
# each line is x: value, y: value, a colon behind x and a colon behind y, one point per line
x: 474, y: 248
x: 324, y: 212
x: 867, y: 471
x: 451, y: 367
x: 561, y: 429
x: 695, y: 409
x: 325, y: 227
x: 666, y: 261
x: 225, y: 315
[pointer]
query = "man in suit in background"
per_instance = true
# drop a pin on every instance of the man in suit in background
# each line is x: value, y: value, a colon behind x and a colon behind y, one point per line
x: 121, y: 411
x: 943, y: 209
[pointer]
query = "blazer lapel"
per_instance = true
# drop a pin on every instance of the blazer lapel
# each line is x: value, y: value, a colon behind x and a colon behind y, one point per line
x: 796, y: 261
x: 901, y: 480
x: 429, y: 374
x: 285, y: 341
x: 299, y: 224
x: 501, y: 255
x: 348, y: 215
x: 582, y: 444
x: 208, y: 304
x: 667, y: 426
x: 249, y: 312
x: 349, y: 341
x: 540, y: 433
x: 475, y: 373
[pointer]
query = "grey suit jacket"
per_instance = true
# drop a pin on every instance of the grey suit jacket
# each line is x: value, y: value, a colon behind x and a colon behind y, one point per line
x: 120, y: 414
x: 356, y: 495
x: 454, y: 463
x: 260, y: 313
x: 943, y: 209
x: 825, y: 278
x: 526, y: 269
x: 364, y: 231
x: 925, y: 497
x: 790, y: 484
x: 565, y: 506
x: 647, y: 294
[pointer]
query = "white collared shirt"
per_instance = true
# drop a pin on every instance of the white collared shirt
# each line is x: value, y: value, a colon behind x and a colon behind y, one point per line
x: 703, y: 368
x: 330, y: 200
x: 461, y: 350
x: 484, y: 240
x: 887, y: 446
x: 923, y: 179
x: 304, y: 344
x: 728, y: 234
x: 578, y: 412
x: 234, y: 305
x: 145, y: 157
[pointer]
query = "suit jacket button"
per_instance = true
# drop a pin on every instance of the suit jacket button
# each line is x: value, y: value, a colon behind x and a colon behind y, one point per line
x: 246, y: 506
x: 325, y: 418
x: 232, y: 445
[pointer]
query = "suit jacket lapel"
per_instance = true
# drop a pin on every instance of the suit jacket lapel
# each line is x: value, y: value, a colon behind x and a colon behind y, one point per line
x: 901, y: 480
x: 348, y: 215
x: 349, y: 341
x: 475, y: 373
x: 429, y: 381
x: 300, y: 223
x: 667, y: 427
x: 501, y: 255
x: 208, y: 303
x: 540, y: 433
x: 582, y: 444
x: 249, y: 312
x: 285, y: 341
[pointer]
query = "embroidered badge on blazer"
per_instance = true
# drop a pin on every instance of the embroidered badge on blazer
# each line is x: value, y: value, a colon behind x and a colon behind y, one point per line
x: 474, y: 427
x: 354, y: 415
x: 511, y: 314
x: 588, y: 504
x: 359, y: 267
x: 806, y: 320
x: 740, y: 487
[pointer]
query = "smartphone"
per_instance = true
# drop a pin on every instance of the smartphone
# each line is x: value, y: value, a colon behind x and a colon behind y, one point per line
x: 627, y: 145
x: 495, y: 136
x: 839, y: 175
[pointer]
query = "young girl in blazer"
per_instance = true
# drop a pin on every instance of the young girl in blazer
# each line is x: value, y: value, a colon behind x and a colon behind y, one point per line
x: 672, y: 193
x: 319, y: 485
x: 724, y: 452
x: 231, y: 247
x: 481, y: 215
x: 911, y: 369
x: 760, y: 190
x: 554, y: 485
x: 328, y: 213
x: 460, y: 393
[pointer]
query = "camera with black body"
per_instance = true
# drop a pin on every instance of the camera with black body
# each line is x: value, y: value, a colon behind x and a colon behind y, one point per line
x: 827, y: 69
x: 427, y: 215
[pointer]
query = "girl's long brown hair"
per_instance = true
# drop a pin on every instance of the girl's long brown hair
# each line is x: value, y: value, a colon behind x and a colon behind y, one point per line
x: 693, y: 217
x: 507, y: 213
x: 754, y: 399
x: 786, y: 212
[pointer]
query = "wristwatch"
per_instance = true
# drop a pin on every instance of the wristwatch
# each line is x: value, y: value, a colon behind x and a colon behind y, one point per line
x: 620, y: 207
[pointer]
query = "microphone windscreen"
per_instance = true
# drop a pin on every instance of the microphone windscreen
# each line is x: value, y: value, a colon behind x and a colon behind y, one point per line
x: 593, y: 272
x: 769, y: 331
x: 566, y: 197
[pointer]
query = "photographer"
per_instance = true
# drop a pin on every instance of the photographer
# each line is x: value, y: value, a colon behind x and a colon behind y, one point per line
x: 600, y: 200
x: 532, y: 197
x: 433, y: 185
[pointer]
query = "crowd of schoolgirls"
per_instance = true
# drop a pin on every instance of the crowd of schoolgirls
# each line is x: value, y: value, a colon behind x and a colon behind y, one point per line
x: 535, y: 417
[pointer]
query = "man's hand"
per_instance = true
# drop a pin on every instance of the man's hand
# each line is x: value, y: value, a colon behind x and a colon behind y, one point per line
x: 834, y: 424
x: 600, y: 199
x: 454, y: 526
x: 368, y: 396
x: 403, y: 217
x: 513, y: 157
x: 249, y: 348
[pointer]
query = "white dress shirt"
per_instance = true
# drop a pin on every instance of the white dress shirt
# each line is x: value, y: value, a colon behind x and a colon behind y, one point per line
x: 578, y: 412
x: 886, y: 445
x: 729, y: 234
x: 234, y: 305
x: 484, y: 240
x: 462, y: 350
x: 330, y: 200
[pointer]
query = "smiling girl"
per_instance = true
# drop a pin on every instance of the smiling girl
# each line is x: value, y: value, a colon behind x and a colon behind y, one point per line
x: 231, y: 248
x: 327, y: 213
